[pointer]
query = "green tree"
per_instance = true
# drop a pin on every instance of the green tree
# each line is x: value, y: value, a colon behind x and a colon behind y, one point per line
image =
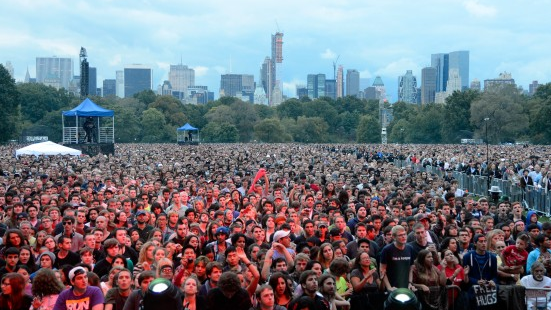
x: 369, y: 130
x: 400, y: 132
x: 154, y: 127
x: 321, y: 108
x: 171, y: 108
x: 9, y: 99
x: 244, y: 118
x: 310, y: 130
x: 271, y: 131
x: 220, y: 133
x: 39, y: 99
x: 504, y: 106
x: 539, y: 111
x: 426, y: 125
x: 264, y: 111
x: 291, y: 108
x: 457, y: 116
x: 146, y: 96
x: 128, y: 127
x: 220, y: 114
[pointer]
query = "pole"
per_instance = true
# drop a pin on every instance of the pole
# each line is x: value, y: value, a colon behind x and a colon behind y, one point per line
x: 401, y: 146
x: 487, y: 155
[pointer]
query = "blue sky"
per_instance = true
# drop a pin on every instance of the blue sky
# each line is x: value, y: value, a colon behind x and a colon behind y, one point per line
x: 383, y: 38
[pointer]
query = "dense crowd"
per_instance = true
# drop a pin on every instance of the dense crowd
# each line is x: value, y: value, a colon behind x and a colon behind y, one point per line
x: 267, y: 226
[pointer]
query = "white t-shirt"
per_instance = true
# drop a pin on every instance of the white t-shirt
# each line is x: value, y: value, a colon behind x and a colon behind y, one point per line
x: 534, y: 303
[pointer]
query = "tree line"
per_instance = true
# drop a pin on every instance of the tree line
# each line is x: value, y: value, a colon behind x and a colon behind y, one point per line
x: 35, y: 109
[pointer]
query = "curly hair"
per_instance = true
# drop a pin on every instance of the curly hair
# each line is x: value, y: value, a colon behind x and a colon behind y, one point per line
x: 46, y: 283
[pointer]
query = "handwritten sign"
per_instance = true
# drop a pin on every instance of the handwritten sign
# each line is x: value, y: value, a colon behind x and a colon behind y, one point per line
x: 485, y: 295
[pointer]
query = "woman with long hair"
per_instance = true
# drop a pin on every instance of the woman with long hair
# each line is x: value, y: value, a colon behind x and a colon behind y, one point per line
x: 12, y: 238
x: 145, y: 259
x: 46, y: 288
x: 13, y: 297
x: 282, y: 291
x: 39, y: 243
x: 50, y: 243
x: 192, y: 300
x: 121, y: 219
x: 26, y: 258
x: 326, y: 255
x: 109, y: 283
x: 364, y: 279
x: 426, y: 276
x: 26, y: 273
x: 455, y: 274
x: 194, y: 242
x: 268, y: 223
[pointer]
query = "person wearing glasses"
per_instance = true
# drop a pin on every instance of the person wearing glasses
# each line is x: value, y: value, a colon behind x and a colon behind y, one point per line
x: 77, y: 240
x: 13, y: 296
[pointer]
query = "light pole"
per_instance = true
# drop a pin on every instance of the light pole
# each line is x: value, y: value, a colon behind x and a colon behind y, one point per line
x: 487, y: 154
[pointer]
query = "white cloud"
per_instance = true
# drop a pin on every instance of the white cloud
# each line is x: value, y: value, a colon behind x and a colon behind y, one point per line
x: 399, y: 67
x: 115, y: 60
x: 328, y: 54
x: 365, y: 74
x: 290, y: 88
x: 200, y: 70
x: 479, y: 10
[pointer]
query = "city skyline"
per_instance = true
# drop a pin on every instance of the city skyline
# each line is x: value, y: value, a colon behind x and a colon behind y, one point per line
x: 216, y: 38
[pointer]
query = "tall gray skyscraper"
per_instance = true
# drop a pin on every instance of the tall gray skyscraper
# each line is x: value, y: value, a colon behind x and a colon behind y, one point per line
x: 443, y: 62
x: 54, y: 71
x: 136, y: 79
x: 181, y: 77
x: 331, y: 89
x: 109, y: 87
x: 407, y: 88
x: 352, y: 82
x: 428, y: 85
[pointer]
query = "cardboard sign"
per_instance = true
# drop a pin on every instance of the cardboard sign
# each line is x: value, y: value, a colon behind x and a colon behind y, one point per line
x: 485, y: 295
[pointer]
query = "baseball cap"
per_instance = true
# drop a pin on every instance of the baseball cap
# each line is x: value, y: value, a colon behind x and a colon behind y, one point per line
x: 222, y: 230
x: 140, y: 212
x: 280, y: 234
x: 75, y: 272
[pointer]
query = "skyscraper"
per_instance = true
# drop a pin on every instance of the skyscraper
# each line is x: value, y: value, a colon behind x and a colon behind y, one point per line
x: 109, y: 87
x: 352, y: 82
x: 444, y: 62
x: 137, y: 78
x: 331, y: 89
x: 428, y: 85
x: 316, y: 85
x: 533, y: 87
x: 92, y: 81
x: 504, y: 78
x: 407, y: 88
x: 340, y: 82
x: 459, y: 61
x: 237, y: 85
x: 277, y: 61
x: 181, y: 77
x: 380, y: 89
x: 120, y: 83
x: 441, y: 63
x: 475, y: 84
x: 54, y: 71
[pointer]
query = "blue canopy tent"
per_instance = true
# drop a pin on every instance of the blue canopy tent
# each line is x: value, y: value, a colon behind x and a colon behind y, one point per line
x: 185, y: 134
x: 84, y: 124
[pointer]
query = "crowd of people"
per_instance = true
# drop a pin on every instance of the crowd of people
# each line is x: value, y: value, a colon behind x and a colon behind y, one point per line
x: 267, y: 226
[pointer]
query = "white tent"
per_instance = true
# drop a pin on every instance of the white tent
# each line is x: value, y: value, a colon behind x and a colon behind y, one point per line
x: 47, y: 148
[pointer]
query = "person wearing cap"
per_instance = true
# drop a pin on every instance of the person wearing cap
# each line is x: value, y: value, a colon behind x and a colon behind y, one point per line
x: 81, y: 296
x: 221, y: 243
x: 141, y: 225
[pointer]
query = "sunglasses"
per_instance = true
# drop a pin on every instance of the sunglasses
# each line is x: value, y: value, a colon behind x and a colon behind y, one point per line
x: 67, y: 223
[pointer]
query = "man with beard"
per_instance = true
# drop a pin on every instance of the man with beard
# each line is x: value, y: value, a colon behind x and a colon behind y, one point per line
x: 141, y: 226
x: 117, y: 296
x: 328, y: 288
x: 309, y: 284
x: 537, y: 279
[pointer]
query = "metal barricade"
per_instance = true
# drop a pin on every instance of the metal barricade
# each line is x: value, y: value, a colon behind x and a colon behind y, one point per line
x: 538, y: 298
